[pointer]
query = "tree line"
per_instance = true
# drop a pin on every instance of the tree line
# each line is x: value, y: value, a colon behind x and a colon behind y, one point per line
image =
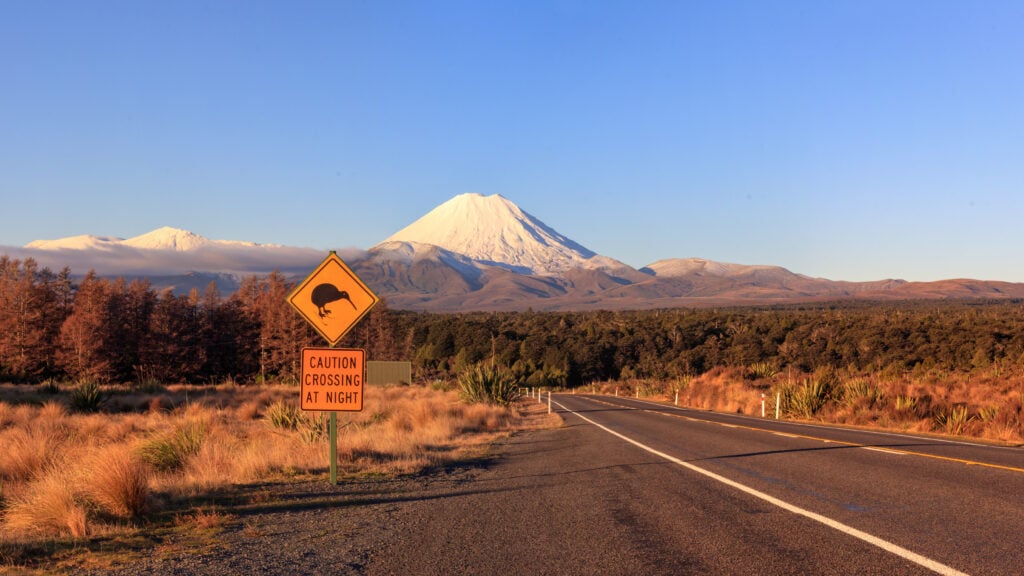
x: 116, y: 331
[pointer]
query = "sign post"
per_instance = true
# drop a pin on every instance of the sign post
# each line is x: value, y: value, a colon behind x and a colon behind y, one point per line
x: 332, y: 299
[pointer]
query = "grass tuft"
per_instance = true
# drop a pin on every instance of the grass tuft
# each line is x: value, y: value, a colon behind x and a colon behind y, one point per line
x: 169, y: 452
x: 87, y: 397
x: 488, y: 383
x: 47, y: 507
x: 808, y: 398
x: 284, y: 415
x: 954, y: 420
x: 118, y: 480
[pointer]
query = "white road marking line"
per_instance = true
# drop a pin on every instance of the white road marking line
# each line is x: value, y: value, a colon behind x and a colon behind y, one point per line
x: 886, y: 450
x: 914, y: 557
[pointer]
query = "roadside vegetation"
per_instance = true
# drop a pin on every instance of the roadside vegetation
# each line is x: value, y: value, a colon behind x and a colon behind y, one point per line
x: 981, y: 404
x: 144, y: 460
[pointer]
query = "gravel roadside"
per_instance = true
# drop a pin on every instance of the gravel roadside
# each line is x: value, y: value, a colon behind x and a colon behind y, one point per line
x: 550, y: 501
x: 309, y: 527
x: 302, y: 528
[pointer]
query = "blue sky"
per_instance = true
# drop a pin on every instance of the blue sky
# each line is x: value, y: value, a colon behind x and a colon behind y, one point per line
x: 852, y: 140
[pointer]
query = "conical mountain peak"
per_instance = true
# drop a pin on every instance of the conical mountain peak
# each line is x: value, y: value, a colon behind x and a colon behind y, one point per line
x: 493, y: 230
x: 167, y: 238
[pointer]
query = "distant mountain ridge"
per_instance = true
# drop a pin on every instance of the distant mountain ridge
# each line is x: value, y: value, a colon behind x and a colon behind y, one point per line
x: 478, y: 252
x: 165, y: 238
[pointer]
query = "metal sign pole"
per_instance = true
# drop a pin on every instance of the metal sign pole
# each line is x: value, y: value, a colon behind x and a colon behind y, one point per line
x: 334, y: 447
x: 332, y: 433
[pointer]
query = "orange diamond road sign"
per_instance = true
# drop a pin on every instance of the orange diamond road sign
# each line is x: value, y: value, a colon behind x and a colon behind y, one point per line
x: 332, y: 299
x: 332, y: 379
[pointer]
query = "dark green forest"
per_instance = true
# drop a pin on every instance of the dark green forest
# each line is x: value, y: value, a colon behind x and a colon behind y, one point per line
x: 114, y: 331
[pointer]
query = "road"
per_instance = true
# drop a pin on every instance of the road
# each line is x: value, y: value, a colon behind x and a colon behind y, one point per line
x: 789, y: 498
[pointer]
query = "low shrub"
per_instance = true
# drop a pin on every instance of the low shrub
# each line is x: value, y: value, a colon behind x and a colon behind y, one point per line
x: 488, y: 383
x: 762, y: 370
x: 284, y: 415
x: 87, y: 397
x: 810, y: 396
x: 954, y: 420
x: 168, y: 452
x: 49, y: 386
x: 861, y: 390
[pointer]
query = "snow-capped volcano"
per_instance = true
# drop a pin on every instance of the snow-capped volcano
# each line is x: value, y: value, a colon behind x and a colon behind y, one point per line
x: 493, y: 230
x: 168, y: 238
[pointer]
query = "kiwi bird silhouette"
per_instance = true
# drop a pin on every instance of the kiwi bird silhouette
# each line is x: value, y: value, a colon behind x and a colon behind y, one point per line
x: 324, y: 294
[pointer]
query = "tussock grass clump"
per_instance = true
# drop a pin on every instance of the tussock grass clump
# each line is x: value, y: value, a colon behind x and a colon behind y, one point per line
x: 762, y: 371
x: 31, y: 439
x: 489, y: 383
x: 27, y: 451
x: 167, y: 452
x: 407, y: 428
x: 87, y: 397
x: 808, y: 398
x: 49, y: 387
x: 117, y: 480
x: 6, y: 414
x: 46, y: 506
x: 284, y: 415
x: 954, y: 420
x: 905, y: 404
x: 861, y: 391
x: 287, y: 416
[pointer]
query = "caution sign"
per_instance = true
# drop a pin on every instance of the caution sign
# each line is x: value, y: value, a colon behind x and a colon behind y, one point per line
x: 333, y: 379
x: 332, y: 299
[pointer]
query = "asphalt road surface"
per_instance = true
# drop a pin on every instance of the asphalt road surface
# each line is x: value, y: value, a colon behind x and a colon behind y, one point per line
x: 628, y: 487
x: 631, y: 487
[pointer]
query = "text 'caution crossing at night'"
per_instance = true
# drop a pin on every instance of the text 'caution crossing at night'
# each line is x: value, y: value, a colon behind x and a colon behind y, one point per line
x: 333, y: 379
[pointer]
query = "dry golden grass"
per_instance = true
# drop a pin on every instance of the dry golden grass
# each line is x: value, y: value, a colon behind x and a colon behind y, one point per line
x: 72, y: 475
x: 47, y: 505
x: 116, y: 479
x: 987, y: 405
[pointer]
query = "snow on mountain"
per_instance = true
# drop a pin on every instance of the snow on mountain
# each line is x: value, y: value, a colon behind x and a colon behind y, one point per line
x: 168, y: 238
x: 82, y: 242
x: 411, y: 252
x: 675, y: 267
x: 165, y: 238
x: 492, y: 230
x: 167, y: 252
